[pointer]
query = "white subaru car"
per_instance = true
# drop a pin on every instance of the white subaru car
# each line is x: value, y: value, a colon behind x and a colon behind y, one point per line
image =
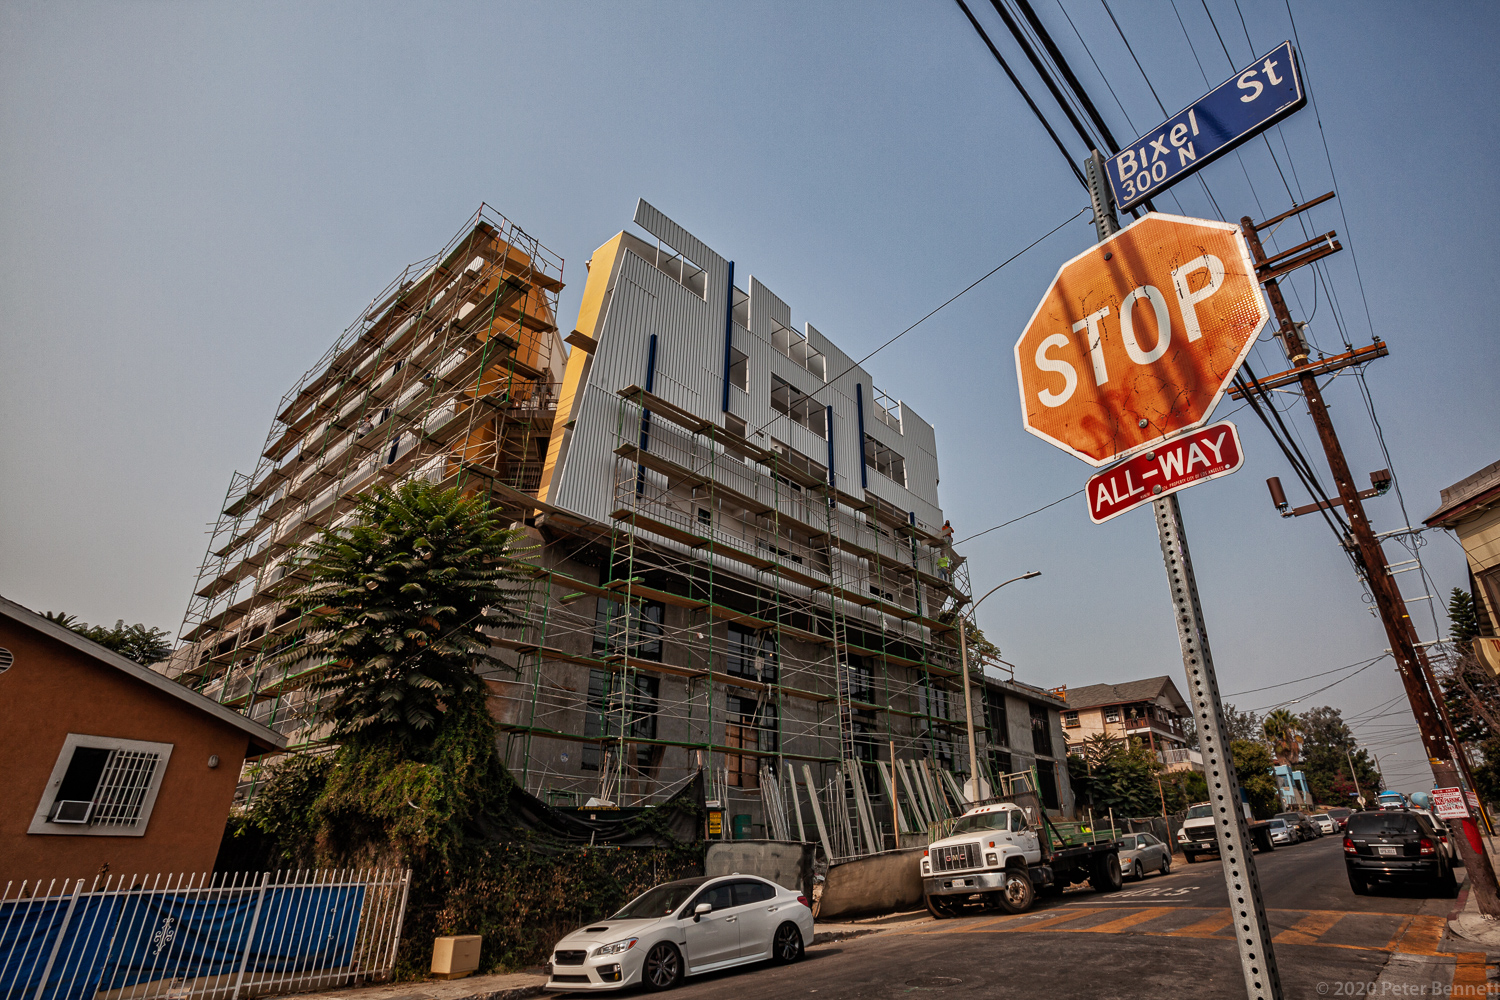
x: 682, y: 929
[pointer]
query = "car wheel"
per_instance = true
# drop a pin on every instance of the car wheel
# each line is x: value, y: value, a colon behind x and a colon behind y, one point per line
x: 1106, y: 874
x: 1166, y: 864
x: 940, y: 908
x: 663, y: 967
x: 1018, y: 894
x: 1359, y: 885
x: 786, y: 947
x: 1137, y: 872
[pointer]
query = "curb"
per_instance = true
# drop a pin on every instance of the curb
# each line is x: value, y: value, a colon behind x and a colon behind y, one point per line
x: 828, y: 937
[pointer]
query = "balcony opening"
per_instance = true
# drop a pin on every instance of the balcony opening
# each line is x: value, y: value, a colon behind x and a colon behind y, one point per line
x: 885, y: 461
x: 795, y: 346
x: 790, y: 401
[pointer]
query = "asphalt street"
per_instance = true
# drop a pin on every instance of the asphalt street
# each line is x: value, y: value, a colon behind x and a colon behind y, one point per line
x: 1166, y: 936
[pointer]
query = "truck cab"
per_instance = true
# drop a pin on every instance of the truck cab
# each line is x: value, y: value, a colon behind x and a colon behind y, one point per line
x: 1198, y: 835
x: 999, y: 855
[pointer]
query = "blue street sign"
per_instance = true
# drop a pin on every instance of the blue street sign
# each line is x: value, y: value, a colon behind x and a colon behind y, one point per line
x: 1252, y: 101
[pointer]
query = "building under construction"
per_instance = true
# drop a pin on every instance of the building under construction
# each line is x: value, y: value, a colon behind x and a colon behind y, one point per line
x: 736, y: 541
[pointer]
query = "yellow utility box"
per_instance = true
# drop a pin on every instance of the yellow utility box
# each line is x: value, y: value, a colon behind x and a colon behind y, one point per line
x: 455, y: 957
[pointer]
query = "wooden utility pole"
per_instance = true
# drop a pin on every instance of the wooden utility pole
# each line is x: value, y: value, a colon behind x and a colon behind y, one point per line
x: 1416, y: 675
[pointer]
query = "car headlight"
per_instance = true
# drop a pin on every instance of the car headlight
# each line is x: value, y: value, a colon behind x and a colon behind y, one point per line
x: 1182, y: 837
x: 926, y: 867
x: 616, y: 948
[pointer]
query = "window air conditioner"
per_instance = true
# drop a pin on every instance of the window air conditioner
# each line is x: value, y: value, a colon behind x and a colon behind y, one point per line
x: 71, y: 811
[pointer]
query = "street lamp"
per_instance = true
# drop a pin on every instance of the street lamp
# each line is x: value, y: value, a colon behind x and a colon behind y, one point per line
x: 963, y: 653
x: 1379, y: 771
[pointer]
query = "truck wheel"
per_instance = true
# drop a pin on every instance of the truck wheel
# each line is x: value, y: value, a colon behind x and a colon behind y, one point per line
x: 1018, y: 894
x: 940, y: 908
x: 1191, y: 857
x: 1106, y: 874
x: 1263, y: 841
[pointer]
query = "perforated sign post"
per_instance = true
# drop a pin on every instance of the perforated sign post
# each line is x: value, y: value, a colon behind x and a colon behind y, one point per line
x: 1135, y: 343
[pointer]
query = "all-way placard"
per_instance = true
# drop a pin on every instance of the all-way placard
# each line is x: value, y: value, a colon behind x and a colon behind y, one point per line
x: 1174, y: 464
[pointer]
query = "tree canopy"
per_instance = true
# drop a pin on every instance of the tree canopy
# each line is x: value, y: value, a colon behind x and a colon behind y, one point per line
x: 393, y: 609
x: 135, y: 642
x: 1285, y: 736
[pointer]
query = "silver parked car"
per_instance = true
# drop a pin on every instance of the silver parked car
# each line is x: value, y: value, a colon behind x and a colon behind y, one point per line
x: 681, y: 929
x: 1282, y: 832
x: 1143, y: 852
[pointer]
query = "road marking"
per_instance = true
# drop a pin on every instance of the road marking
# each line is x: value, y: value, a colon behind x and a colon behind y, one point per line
x: 1470, y: 972
x: 1053, y: 921
x: 1207, y: 927
x: 1420, y: 936
x: 1122, y: 923
x: 1309, y: 928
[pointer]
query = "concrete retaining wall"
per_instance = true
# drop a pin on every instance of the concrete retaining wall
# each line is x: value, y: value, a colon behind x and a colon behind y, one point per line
x: 880, y: 883
x: 789, y: 863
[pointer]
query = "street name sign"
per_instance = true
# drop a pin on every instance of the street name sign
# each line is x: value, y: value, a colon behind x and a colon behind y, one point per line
x: 1448, y: 803
x: 1172, y: 465
x: 1138, y: 337
x: 1242, y: 107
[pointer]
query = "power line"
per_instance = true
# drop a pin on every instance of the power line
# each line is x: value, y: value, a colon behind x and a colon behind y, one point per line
x: 951, y: 299
x: 1299, y: 680
x: 1027, y: 97
x: 1022, y: 517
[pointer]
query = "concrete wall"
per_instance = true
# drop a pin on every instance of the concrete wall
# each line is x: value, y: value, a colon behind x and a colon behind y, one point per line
x: 788, y: 863
x: 880, y: 883
x: 53, y: 690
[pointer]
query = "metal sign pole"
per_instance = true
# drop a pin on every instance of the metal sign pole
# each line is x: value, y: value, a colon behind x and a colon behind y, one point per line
x: 1252, y: 933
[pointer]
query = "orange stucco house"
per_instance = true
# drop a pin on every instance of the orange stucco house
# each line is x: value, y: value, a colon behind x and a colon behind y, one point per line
x: 106, y: 766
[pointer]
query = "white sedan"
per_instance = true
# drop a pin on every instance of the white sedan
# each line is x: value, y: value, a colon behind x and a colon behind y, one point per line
x: 682, y: 929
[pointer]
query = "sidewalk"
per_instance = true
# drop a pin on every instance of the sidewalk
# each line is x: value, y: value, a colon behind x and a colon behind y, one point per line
x: 521, y: 985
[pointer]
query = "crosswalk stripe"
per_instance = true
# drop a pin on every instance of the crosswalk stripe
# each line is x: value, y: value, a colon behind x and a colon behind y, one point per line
x: 1207, y: 927
x: 1122, y: 923
x: 1309, y: 928
x: 1420, y: 937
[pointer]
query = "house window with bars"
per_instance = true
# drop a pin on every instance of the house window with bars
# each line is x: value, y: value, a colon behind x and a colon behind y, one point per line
x: 102, y: 787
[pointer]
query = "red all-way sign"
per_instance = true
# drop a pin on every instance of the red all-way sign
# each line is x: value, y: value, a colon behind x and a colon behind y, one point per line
x: 1175, y: 464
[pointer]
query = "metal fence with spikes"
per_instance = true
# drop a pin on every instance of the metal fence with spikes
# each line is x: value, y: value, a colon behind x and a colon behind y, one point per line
x: 199, y: 937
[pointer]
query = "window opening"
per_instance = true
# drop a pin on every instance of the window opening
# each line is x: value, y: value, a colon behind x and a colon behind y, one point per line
x: 795, y: 346
x: 791, y: 401
x: 885, y: 461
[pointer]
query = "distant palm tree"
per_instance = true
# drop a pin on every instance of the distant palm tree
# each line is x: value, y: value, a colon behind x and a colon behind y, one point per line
x: 1282, y: 730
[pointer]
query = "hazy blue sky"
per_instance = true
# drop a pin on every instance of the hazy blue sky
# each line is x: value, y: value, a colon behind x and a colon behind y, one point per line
x: 196, y: 199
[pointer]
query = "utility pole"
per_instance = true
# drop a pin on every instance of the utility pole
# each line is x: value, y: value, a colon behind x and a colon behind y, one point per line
x: 1257, y: 957
x: 1359, y: 796
x: 963, y: 658
x: 1416, y: 675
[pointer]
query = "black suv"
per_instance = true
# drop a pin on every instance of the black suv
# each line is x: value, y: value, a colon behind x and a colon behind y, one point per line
x: 1398, y: 846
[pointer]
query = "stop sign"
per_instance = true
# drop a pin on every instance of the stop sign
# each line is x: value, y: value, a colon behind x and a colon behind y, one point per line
x: 1139, y: 336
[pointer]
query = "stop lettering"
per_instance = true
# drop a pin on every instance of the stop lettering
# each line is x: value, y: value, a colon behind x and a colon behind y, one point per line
x: 1139, y: 336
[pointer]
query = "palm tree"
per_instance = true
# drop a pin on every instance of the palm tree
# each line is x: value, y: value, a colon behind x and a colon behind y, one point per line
x: 1282, y: 730
x: 393, y: 611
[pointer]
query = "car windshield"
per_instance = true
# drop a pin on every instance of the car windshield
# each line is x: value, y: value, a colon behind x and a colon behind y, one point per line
x: 1340, y: 813
x: 658, y: 902
x: 1279, y: 824
x: 980, y: 822
x: 1321, y: 816
x: 1289, y: 817
x: 1199, y: 812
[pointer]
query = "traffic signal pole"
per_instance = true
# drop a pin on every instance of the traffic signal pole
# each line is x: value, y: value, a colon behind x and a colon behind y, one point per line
x: 1253, y: 933
x: 1411, y: 663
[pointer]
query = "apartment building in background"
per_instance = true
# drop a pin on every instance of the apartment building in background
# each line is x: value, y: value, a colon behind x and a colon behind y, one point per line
x: 1470, y: 508
x: 735, y: 537
x: 1151, y: 709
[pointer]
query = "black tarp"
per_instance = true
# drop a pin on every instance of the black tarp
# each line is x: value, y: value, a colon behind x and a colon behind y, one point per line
x: 678, y: 820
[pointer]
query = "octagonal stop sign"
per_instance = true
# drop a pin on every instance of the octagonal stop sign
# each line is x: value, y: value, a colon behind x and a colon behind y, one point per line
x: 1139, y: 336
